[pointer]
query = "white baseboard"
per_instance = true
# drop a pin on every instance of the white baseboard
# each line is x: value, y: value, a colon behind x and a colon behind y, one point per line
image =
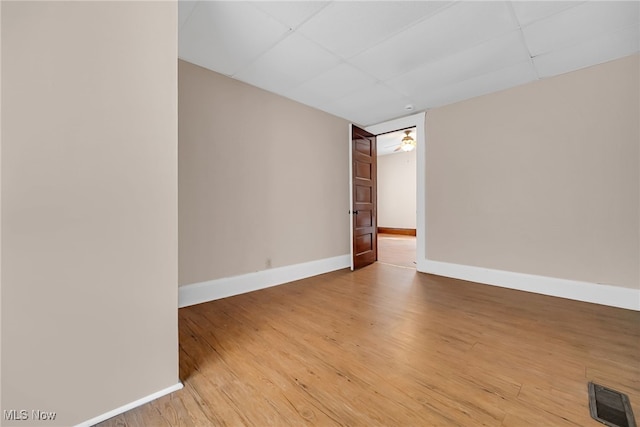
x: 614, y: 296
x: 129, y: 406
x: 197, y: 293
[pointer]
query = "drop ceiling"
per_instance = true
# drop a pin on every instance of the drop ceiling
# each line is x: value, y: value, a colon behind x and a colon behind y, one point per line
x: 372, y: 61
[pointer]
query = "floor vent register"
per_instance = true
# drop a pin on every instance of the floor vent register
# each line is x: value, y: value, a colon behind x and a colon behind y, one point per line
x: 610, y: 407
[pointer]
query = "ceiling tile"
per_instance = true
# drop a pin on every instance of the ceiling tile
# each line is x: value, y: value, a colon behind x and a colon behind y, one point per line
x: 449, y: 31
x: 501, y: 79
x: 185, y: 7
x: 578, y: 24
x: 346, y: 27
x: 487, y: 57
x: 335, y: 83
x: 530, y: 11
x: 215, y: 35
x: 370, y: 105
x: 606, y: 47
x: 291, y: 62
x: 290, y: 13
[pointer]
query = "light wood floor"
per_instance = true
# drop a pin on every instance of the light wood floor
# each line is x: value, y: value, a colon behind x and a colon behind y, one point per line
x: 396, y: 249
x: 388, y: 346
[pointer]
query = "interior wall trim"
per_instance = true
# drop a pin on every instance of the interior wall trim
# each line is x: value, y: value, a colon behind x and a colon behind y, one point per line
x: 614, y: 296
x: 210, y: 290
x: 129, y: 406
x: 400, y: 231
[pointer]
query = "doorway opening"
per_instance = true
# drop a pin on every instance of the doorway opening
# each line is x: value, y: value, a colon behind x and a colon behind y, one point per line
x: 363, y: 138
x: 396, y: 198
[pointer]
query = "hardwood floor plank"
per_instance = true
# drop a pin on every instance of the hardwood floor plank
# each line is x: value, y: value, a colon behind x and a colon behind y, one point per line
x: 386, y: 346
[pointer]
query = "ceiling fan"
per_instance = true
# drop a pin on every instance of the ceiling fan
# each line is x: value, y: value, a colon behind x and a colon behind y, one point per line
x: 407, y: 143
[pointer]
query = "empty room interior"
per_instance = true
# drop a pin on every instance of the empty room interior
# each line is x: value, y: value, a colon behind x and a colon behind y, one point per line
x: 321, y: 213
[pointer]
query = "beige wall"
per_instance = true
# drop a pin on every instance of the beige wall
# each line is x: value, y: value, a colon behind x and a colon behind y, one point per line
x: 1, y: 315
x: 89, y: 206
x: 540, y: 179
x: 397, y: 190
x: 263, y: 181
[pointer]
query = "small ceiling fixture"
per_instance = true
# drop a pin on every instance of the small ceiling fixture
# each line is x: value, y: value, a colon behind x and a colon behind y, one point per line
x: 407, y: 143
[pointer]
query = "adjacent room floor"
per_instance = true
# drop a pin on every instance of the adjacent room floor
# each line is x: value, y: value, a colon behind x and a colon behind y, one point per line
x: 386, y: 346
x: 397, y: 250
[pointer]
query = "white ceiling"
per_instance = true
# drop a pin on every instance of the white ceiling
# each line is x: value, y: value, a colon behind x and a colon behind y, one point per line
x: 366, y: 61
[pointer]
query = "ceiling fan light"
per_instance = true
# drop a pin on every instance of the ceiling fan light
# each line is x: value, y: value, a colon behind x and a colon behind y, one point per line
x: 407, y: 143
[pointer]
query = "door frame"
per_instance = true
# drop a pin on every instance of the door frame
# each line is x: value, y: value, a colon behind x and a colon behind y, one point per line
x: 418, y: 121
x: 351, y: 218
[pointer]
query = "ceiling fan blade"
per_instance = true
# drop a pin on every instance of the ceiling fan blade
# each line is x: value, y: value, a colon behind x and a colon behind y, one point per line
x: 398, y: 149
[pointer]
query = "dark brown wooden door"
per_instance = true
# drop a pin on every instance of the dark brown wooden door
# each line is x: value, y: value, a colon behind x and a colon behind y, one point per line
x: 363, y: 209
